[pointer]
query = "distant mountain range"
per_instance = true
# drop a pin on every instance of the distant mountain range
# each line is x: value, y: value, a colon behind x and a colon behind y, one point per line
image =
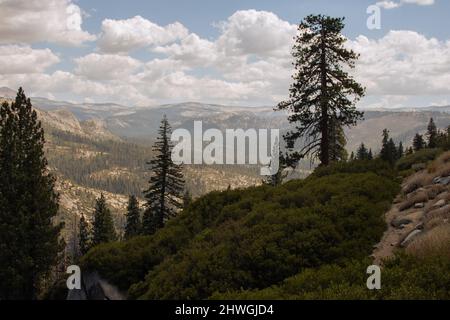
x: 142, y: 122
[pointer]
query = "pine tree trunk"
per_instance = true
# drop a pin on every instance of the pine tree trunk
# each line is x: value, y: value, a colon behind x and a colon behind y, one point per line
x: 324, y: 142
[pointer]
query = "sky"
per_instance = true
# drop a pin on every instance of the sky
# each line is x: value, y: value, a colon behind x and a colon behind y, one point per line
x: 145, y: 52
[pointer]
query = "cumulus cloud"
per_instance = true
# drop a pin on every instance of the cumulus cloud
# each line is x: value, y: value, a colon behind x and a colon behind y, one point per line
x: 419, y: 2
x: 192, y: 50
x: 260, y: 33
x: 105, y: 66
x: 387, y: 4
x: 23, y: 59
x: 121, y: 36
x: 30, y: 21
x: 249, y: 62
x: 403, y: 63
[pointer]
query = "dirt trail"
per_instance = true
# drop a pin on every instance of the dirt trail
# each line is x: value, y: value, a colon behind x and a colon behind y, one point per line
x: 392, y: 237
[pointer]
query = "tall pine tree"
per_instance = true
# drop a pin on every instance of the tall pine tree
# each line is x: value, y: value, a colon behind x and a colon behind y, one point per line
x: 432, y: 134
x: 400, y: 150
x: 323, y: 95
x: 84, y: 239
x: 165, y: 193
x: 418, y: 142
x: 338, y: 142
x: 30, y: 242
x: 103, y: 225
x: 133, y: 225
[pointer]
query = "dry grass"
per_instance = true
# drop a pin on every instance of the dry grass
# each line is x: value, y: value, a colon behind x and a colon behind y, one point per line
x: 417, y: 181
x: 443, y: 196
x: 440, y: 161
x: 433, y: 242
x: 434, y: 222
x: 418, y: 197
x: 435, y: 190
x: 440, y: 213
x: 442, y: 171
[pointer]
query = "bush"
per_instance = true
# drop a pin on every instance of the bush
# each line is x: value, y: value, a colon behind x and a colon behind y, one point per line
x: 304, y: 224
x: 421, y: 156
x: 377, y: 166
x: 405, y: 277
x: 125, y: 263
x: 255, y: 238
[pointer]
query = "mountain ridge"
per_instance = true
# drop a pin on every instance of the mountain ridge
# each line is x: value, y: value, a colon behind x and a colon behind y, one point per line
x: 142, y: 123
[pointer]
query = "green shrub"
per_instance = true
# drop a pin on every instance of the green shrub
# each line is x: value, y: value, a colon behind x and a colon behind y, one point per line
x: 303, y: 224
x: 377, y: 166
x: 421, y: 156
x: 255, y: 238
x: 402, y: 278
x: 125, y: 263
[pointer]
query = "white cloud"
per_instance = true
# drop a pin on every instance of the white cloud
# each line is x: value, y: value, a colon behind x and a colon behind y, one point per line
x: 192, y: 50
x: 248, y: 63
x: 121, y: 36
x: 387, y: 4
x: 105, y: 66
x: 30, y: 21
x: 403, y: 63
x: 419, y: 2
x: 159, y: 68
x: 61, y: 83
x: 23, y: 59
x: 260, y: 33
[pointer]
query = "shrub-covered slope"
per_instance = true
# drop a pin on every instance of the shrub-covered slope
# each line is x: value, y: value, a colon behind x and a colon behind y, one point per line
x: 255, y: 238
x: 404, y: 277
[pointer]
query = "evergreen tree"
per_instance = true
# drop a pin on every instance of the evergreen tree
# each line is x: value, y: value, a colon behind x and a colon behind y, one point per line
x: 165, y: 193
x: 392, y: 151
x: 388, y: 149
x: 432, y: 134
x: 352, y: 156
x: 337, y: 143
x: 370, y: 155
x: 133, y: 216
x: 409, y: 151
x: 400, y: 150
x: 418, y: 142
x: 30, y: 243
x: 384, y: 153
x: 323, y: 95
x: 443, y: 140
x: 103, y: 225
x: 362, y: 153
x: 84, y: 236
x: 277, y: 178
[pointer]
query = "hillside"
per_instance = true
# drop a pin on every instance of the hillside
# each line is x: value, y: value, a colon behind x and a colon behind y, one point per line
x: 306, y: 239
x: 254, y: 238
